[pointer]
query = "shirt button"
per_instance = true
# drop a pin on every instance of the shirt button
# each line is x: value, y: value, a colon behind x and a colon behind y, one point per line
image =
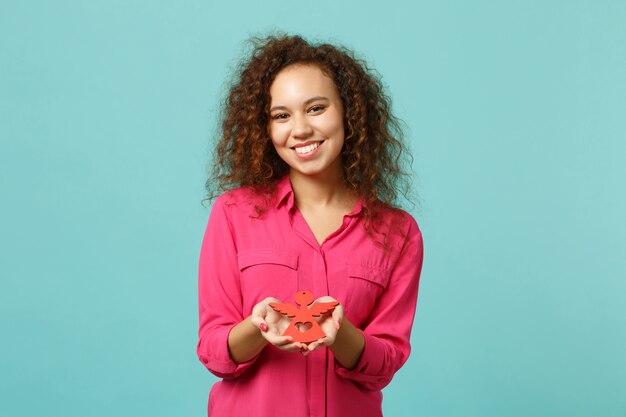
x: 204, y: 359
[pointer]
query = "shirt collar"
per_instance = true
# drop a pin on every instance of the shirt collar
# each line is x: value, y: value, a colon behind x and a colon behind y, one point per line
x: 284, y: 190
x: 357, y: 208
x: 284, y: 194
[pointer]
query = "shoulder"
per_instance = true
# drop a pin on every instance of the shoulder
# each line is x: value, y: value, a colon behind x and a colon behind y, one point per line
x: 234, y: 196
x: 397, y: 227
x: 410, y: 225
x: 396, y: 218
x: 403, y: 218
x: 242, y: 201
x: 404, y: 240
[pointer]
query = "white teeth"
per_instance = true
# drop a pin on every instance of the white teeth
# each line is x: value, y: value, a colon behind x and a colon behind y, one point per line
x: 307, y: 149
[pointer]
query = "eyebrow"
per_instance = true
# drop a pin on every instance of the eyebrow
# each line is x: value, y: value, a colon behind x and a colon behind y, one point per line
x: 306, y: 103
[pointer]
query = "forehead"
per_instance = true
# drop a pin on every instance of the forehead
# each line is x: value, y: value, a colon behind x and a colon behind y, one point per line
x: 301, y: 81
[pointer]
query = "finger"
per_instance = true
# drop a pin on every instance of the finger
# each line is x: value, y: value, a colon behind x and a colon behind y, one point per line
x: 259, y: 314
x: 319, y: 343
x: 258, y: 322
x: 268, y: 300
x: 292, y: 347
x: 312, y: 346
x: 277, y: 340
x: 255, y: 320
x: 337, y: 315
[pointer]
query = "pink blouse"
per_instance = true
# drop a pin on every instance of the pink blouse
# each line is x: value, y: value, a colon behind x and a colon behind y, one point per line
x: 246, y: 258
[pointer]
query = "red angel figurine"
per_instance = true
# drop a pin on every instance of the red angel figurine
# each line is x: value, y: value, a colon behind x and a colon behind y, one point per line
x: 304, y: 315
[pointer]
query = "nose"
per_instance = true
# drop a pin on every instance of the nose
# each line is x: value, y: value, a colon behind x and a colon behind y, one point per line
x: 301, y: 127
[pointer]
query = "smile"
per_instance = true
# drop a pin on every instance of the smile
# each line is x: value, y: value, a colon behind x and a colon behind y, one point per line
x: 303, y: 150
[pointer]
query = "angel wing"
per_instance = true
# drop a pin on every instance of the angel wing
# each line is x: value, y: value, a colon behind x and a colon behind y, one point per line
x: 318, y: 309
x: 288, y: 310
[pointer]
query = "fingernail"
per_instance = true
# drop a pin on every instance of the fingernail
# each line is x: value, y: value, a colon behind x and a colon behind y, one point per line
x: 263, y: 327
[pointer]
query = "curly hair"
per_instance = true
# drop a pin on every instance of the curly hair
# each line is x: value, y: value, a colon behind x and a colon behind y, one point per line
x: 373, y: 154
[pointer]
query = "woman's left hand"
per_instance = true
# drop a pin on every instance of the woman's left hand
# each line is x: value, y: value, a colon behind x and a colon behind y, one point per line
x: 330, y: 323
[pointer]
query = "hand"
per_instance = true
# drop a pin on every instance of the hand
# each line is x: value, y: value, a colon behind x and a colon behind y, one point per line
x: 273, y: 324
x: 329, y: 322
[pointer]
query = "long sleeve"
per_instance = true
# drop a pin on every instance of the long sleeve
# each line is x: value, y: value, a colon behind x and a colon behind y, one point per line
x: 388, y: 329
x: 219, y: 294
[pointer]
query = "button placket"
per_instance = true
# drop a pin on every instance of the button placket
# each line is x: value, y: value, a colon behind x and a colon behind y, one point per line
x: 317, y: 360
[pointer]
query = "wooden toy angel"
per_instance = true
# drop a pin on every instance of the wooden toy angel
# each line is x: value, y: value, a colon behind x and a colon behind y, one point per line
x: 304, y: 316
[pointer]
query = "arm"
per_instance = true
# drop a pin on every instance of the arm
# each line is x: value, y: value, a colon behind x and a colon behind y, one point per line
x: 349, y: 344
x: 386, y: 335
x: 248, y: 338
x: 219, y: 296
x: 245, y: 341
x: 342, y: 338
x: 229, y: 343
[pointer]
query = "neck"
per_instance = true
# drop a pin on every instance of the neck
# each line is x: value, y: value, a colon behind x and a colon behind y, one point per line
x: 318, y: 190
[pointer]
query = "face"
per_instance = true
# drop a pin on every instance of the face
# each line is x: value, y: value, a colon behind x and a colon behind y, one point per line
x: 306, y: 121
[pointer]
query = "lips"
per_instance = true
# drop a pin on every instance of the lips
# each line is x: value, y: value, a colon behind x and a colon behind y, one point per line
x: 307, y: 147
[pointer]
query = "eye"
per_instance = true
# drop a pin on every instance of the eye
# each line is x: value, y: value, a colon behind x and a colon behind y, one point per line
x: 280, y: 116
x: 316, y: 108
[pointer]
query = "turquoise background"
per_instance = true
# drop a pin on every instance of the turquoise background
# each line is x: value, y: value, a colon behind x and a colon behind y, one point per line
x: 516, y: 112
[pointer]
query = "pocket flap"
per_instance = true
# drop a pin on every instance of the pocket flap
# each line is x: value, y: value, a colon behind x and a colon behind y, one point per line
x: 267, y: 256
x: 373, y: 274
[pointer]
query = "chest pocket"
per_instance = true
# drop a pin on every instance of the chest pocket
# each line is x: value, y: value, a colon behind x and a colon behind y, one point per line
x: 267, y: 273
x: 366, y: 285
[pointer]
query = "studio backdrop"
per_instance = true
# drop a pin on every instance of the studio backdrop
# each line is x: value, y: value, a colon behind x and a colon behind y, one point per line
x: 515, y: 116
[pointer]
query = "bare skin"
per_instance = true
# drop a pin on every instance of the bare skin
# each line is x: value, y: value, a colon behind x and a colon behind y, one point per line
x: 248, y: 338
x: 324, y: 205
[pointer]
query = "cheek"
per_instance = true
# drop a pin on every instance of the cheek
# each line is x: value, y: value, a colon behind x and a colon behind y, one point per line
x: 284, y: 155
x: 279, y: 135
x: 339, y: 125
x: 280, y: 149
x: 332, y: 125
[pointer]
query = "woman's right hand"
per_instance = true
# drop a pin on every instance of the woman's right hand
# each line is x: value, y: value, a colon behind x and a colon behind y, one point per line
x: 273, y: 324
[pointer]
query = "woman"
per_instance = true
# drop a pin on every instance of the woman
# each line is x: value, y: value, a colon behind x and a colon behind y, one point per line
x: 309, y: 158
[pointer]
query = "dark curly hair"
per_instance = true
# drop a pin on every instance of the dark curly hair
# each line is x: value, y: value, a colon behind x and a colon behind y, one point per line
x: 373, y: 155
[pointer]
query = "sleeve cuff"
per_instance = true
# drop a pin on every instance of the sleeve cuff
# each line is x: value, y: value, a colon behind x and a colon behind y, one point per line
x: 369, y: 370
x: 214, y: 355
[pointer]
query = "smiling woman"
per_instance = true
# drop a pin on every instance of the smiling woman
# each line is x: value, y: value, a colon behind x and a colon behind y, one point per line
x: 309, y: 160
x: 307, y: 121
